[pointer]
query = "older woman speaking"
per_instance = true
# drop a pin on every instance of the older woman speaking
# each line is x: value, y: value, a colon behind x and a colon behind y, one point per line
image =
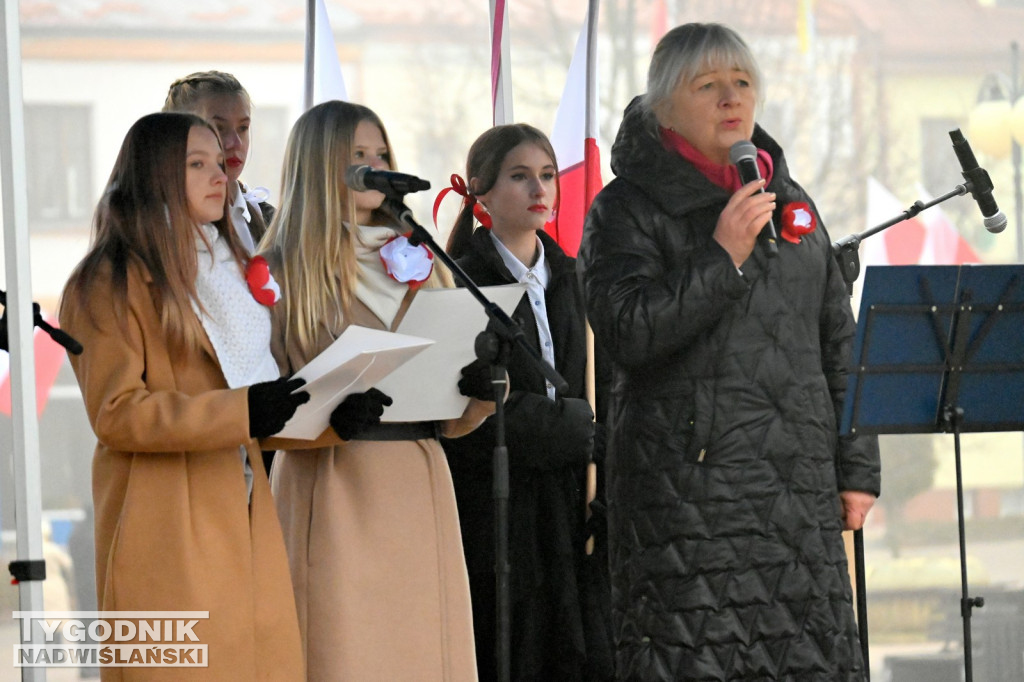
x: 728, y: 482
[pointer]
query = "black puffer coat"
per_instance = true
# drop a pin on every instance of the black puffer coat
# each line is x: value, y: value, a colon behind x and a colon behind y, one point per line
x: 724, y: 461
x: 560, y: 596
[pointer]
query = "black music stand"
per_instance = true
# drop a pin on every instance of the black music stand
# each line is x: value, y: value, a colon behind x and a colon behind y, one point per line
x: 940, y: 349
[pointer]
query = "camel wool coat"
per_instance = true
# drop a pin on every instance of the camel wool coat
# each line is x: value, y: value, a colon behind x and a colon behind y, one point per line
x: 174, y: 528
x: 373, y: 537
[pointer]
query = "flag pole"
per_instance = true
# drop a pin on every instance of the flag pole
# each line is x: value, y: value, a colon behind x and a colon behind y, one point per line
x: 501, y: 65
x: 590, y: 133
x: 307, y: 95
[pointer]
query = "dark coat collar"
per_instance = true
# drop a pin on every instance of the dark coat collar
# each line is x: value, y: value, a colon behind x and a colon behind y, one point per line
x: 556, y: 258
x: 671, y: 182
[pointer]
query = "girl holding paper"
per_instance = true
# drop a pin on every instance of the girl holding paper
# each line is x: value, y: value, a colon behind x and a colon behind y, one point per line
x: 178, y: 383
x: 371, y: 523
x: 556, y: 634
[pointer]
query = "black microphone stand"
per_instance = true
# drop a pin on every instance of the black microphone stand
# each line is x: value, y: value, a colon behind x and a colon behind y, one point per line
x: 845, y: 249
x: 493, y: 348
x: 65, y: 340
x: 845, y: 252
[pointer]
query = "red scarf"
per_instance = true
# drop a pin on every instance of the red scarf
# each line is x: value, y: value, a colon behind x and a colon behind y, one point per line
x: 725, y: 176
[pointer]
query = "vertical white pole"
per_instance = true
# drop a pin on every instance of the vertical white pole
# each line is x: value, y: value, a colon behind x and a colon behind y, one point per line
x: 27, y: 483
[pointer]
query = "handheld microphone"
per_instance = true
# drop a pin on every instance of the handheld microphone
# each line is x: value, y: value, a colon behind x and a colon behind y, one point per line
x: 743, y: 155
x: 978, y: 182
x: 363, y: 178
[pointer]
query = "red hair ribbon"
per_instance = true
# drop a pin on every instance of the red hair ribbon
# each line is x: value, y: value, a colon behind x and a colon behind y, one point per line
x: 459, y: 187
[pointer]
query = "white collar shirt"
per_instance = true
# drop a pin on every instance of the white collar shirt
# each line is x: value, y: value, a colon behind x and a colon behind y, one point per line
x: 240, y: 217
x: 536, y: 279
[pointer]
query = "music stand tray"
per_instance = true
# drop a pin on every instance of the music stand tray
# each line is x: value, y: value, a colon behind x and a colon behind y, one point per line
x: 939, y: 349
x: 935, y: 337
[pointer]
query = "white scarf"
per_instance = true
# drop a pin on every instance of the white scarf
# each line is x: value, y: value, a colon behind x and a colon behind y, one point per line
x: 237, y: 325
x: 374, y: 288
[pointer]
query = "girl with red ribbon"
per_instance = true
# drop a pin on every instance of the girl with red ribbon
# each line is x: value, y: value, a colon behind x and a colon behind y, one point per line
x: 551, y: 437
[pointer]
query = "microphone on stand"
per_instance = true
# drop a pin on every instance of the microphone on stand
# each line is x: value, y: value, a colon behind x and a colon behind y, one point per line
x: 363, y: 178
x: 743, y: 155
x: 978, y: 182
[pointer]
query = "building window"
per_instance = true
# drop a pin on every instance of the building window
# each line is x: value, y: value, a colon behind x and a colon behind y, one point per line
x: 58, y: 162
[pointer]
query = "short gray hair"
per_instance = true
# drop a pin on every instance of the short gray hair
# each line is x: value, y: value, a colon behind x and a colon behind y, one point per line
x: 691, y: 49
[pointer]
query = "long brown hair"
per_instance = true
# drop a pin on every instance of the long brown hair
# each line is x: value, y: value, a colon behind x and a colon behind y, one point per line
x: 144, y: 217
x: 483, y: 164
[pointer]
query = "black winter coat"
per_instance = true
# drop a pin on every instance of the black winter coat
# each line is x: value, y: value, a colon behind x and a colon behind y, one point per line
x: 555, y: 634
x: 724, y: 462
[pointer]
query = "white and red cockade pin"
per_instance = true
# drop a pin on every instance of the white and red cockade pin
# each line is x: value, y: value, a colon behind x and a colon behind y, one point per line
x: 261, y: 283
x: 406, y: 263
x: 797, y: 220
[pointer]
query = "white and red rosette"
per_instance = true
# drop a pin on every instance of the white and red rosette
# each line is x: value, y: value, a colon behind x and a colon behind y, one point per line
x: 261, y: 283
x: 406, y: 263
x: 797, y: 220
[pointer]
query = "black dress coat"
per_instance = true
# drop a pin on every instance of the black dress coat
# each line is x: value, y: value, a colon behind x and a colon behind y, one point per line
x: 724, y: 464
x: 559, y: 621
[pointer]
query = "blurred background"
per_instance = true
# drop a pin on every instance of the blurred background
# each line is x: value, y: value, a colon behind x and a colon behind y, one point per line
x: 861, y: 95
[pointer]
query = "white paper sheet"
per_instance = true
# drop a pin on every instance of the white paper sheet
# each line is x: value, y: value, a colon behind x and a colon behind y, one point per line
x: 427, y: 388
x: 355, y: 362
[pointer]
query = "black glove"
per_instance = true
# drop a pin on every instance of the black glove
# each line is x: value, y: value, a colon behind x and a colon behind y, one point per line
x: 358, y: 411
x: 476, y: 381
x: 272, y: 403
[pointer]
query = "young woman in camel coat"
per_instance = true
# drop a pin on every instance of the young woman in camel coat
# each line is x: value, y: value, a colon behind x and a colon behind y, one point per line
x: 177, y: 385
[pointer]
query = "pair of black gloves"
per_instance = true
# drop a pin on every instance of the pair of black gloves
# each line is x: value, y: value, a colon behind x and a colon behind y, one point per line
x: 272, y: 403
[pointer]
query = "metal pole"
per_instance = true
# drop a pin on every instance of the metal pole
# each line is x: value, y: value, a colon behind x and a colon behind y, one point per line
x: 1018, y: 200
x: 27, y: 482
x: 308, y: 63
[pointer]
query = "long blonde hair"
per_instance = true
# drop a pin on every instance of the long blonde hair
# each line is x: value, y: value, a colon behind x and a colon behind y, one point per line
x: 313, y: 230
x: 144, y: 217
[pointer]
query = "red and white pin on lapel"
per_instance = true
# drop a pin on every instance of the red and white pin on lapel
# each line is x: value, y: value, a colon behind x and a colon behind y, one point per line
x: 261, y: 283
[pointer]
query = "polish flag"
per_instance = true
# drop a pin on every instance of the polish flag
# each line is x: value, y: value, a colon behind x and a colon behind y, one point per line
x: 49, y: 357
x: 327, y: 81
x: 574, y: 139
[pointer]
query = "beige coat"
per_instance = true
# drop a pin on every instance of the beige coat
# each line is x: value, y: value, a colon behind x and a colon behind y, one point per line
x: 174, y: 529
x: 373, y: 538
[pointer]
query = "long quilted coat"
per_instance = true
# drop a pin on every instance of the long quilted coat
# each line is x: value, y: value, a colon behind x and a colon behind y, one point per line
x: 725, y: 461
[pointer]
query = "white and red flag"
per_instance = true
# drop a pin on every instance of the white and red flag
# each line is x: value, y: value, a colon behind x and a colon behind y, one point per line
x: 49, y: 356
x: 574, y: 138
x: 324, y: 81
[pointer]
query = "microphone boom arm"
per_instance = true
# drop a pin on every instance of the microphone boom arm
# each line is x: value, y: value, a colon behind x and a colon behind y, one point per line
x: 845, y: 249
